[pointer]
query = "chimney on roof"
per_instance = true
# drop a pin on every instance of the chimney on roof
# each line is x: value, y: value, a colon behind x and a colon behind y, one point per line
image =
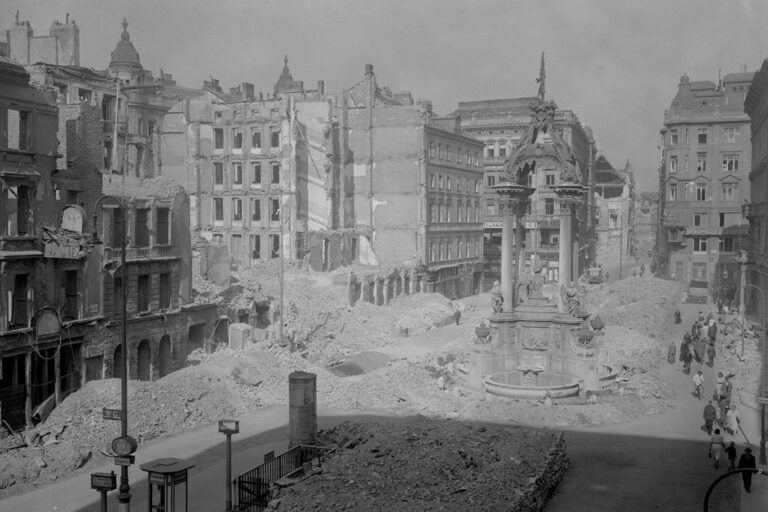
x: 320, y: 87
x: 368, y: 69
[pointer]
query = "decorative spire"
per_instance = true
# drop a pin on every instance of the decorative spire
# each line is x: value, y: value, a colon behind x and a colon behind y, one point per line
x: 542, y: 78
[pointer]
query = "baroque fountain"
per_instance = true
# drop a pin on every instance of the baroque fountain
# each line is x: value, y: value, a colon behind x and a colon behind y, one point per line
x: 539, y: 340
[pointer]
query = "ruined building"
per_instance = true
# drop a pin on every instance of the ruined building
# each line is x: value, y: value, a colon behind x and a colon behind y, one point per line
x: 500, y: 125
x: 614, y: 191
x: 87, y: 199
x: 44, y: 303
x: 411, y: 187
x: 251, y: 162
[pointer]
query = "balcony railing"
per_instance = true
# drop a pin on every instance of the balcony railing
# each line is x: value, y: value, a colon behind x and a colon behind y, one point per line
x: 139, y: 253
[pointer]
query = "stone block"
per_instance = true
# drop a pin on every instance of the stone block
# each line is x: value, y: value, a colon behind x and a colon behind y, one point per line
x: 239, y: 336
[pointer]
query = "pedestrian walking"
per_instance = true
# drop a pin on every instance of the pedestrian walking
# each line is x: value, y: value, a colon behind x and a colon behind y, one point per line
x: 698, y: 383
x: 685, y: 354
x: 730, y: 450
x: 711, y: 353
x: 710, y: 414
x: 716, y: 447
x: 747, y: 461
x: 727, y: 388
x: 722, y: 417
x: 672, y: 353
x: 719, y: 380
x: 701, y: 316
x: 712, y: 331
x: 678, y: 318
x: 733, y: 420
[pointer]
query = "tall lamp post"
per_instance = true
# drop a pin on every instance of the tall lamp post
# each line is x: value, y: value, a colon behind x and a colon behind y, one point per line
x: 124, y: 446
x: 762, y: 400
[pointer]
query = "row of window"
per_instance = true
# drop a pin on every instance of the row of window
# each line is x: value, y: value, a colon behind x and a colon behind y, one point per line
x: 236, y: 246
x: 141, y: 225
x: 446, y: 152
x: 446, y: 212
x: 701, y: 192
x: 238, y: 137
x: 448, y: 250
x: 724, y: 244
x: 730, y: 163
x: 439, y: 182
x: 144, y: 292
x: 236, y: 207
x: 237, y: 176
x: 729, y: 134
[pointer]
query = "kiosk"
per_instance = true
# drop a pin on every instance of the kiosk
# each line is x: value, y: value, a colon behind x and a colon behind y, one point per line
x: 167, y: 480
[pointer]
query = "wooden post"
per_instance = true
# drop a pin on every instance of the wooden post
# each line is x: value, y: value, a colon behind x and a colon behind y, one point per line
x: 28, y: 386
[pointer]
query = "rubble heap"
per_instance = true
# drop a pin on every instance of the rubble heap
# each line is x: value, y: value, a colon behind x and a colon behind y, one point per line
x: 419, y: 463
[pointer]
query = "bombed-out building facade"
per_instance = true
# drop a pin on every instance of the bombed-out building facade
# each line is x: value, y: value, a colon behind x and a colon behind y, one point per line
x: 67, y: 201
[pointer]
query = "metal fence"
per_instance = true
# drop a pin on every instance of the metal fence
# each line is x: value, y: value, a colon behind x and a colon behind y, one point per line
x: 253, y: 489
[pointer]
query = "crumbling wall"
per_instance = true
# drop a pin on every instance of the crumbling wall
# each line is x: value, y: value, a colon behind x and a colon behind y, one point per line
x: 392, y: 192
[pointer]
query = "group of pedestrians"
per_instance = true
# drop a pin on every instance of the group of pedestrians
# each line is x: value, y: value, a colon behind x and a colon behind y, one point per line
x: 721, y: 417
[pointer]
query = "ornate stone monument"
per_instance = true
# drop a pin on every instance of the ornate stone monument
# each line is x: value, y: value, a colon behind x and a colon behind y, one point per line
x: 539, y: 344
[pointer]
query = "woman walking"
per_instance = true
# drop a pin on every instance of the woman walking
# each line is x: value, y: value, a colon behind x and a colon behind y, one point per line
x: 716, y: 447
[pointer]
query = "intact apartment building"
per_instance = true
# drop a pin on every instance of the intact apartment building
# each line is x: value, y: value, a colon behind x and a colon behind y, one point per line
x: 704, y: 180
x: 756, y: 209
x: 500, y: 125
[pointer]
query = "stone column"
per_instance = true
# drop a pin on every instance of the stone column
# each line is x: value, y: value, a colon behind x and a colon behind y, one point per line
x: 403, y: 290
x: 363, y: 288
x: 507, y: 258
x: 376, y: 286
x: 566, y: 242
x: 386, y: 291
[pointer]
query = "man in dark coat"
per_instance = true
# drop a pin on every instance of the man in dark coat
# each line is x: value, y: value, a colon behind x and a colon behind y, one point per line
x: 747, y: 461
x: 710, y: 413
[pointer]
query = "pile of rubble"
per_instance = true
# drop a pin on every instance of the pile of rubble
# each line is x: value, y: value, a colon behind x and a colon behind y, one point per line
x: 419, y: 463
x: 644, y: 304
x: 326, y: 330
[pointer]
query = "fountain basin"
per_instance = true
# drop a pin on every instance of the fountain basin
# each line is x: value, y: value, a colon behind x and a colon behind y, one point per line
x: 512, y: 385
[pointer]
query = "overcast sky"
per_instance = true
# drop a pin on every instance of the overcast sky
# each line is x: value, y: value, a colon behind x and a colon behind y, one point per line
x: 615, y: 63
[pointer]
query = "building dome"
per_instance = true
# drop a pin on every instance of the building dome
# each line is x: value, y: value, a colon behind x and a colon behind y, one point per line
x: 125, y: 56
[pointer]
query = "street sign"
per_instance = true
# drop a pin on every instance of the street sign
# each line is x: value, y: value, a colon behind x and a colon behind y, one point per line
x: 103, y: 481
x: 112, y: 414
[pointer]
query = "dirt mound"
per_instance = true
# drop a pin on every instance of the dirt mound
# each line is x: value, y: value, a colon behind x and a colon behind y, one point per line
x: 423, y: 464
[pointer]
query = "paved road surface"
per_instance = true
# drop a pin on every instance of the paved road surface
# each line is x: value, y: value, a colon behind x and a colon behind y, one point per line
x: 660, y: 463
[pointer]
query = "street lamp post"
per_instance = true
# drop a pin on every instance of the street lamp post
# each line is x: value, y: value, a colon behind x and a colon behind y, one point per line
x: 229, y: 427
x: 123, y: 446
x: 762, y: 400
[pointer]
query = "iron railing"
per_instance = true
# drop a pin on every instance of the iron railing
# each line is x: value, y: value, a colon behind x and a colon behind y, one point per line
x: 253, y: 489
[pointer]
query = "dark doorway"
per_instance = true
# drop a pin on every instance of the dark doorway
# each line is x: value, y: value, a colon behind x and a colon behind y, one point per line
x: 71, y: 369
x: 164, y: 366
x: 221, y: 335
x: 144, y: 361
x: 196, y: 337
